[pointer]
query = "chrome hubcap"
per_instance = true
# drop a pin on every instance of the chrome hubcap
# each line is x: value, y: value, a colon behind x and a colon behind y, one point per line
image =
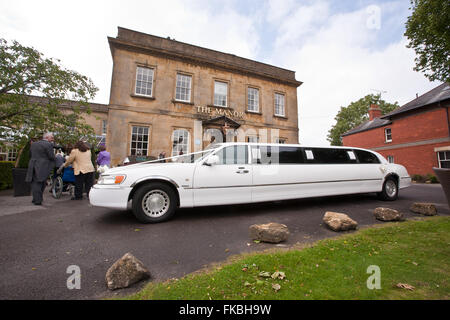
x: 155, y: 203
x: 391, y: 188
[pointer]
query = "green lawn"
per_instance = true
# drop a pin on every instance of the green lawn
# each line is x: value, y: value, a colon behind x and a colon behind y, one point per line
x: 412, y: 252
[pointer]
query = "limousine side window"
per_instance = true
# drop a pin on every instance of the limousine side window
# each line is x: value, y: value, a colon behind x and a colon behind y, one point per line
x: 331, y: 156
x: 277, y: 154
x: 233, y: 155
x: 366, y: 156
x: 263, y: 155
x: 290, y: 155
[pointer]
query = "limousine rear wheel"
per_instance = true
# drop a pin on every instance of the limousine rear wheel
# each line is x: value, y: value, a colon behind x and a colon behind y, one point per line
x: 390, y: 190
x: 154, y: 202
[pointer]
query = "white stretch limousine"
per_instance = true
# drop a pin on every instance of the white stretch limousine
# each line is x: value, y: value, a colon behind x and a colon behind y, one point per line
x: 232, y: 173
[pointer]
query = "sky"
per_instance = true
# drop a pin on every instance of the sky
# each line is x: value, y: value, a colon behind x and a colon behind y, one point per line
x: 341, y: 50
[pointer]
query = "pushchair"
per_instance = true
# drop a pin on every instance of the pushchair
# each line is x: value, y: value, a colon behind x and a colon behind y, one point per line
x: 64, y: 182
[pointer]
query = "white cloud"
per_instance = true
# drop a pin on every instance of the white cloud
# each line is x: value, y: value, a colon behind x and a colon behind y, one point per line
x: 77, y: 33
x: 335, y: 54
x: 300, y: 23
x: 339, y: 63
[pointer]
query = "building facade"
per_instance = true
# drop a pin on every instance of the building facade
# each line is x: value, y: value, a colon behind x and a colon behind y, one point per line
x: 172, y: 97
x: 416, y: 135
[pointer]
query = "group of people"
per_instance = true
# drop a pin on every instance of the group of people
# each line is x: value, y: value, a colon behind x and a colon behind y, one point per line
x: 43, y: 160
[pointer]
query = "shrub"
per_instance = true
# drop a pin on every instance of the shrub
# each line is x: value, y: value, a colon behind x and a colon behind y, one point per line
x: 418, y: 178
x: 6, y: 179
x: 423, y: 179
x: 432, y: 178
x: 24, y: 156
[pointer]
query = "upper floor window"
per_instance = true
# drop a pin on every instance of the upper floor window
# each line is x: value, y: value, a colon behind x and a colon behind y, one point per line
x: 388, y: 135
x: 144, y: 81
x: 180, y: 142
x: 139, y: 141
x: 279, y: 105
x: 253, y: 99
x: 220, y: 93
x: 183, y: 89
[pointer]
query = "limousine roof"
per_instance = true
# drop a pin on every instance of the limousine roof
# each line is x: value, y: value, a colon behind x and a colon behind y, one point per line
x: 379, y: 156
x: 287, y: 145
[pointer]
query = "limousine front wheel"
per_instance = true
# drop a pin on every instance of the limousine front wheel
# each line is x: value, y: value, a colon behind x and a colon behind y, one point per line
x: 154, y: 202
x: 390, y: 190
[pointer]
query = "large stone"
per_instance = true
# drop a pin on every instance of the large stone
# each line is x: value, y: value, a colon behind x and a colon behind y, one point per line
x: 270, y: 232
x: 339, y: 221
x: 424, y: 208
x: 125, y: 272
x: 387, y: 214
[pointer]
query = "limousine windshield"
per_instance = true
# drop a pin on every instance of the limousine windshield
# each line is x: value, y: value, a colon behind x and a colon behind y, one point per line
x: 192, y: 157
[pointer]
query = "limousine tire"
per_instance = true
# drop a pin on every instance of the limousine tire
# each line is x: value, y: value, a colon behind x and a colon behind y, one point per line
x: 154, y: 202
x: 390, y: 190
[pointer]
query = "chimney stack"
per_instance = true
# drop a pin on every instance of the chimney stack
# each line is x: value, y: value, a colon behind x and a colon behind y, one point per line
x: 374, y: 112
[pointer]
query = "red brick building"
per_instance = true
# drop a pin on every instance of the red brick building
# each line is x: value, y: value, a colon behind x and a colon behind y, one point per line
x: 416, y: 135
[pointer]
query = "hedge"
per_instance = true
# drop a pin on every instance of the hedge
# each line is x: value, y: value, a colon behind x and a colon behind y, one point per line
x: 6, y: 178
x: 24, y: 156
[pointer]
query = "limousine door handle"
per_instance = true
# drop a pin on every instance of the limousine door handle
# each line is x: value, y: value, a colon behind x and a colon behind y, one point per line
x: 242, y: 171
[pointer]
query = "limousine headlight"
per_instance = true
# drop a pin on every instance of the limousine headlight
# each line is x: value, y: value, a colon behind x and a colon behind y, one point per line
x: 111, y: 179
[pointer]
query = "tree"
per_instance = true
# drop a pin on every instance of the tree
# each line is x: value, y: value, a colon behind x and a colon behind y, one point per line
x: 354, y: 114
x: 33, y: 90
x: 428, y: 32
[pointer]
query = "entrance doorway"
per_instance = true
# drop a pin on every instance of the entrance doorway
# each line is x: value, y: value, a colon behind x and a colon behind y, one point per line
x: 220, y: 129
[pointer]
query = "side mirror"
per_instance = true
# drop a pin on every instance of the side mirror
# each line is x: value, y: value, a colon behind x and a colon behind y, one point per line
x: 214, y: 159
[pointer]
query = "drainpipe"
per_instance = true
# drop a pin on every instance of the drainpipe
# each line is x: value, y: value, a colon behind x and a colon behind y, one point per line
x: 448, y: 119
x: 448, y: 122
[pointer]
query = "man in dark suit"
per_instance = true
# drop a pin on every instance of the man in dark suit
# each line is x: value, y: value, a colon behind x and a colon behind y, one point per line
x: 42, y: 161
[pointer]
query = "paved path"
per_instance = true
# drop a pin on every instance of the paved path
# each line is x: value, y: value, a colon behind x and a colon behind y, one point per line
x: 37, y: 244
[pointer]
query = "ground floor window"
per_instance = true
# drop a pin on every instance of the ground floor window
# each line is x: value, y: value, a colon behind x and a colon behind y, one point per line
x: 390, y: 159
x: 139, y: 141
x: 180, y: 142
x: 8, y: 154
x: 104, y: 127
x: 100, y: 140
x: 444, y: 159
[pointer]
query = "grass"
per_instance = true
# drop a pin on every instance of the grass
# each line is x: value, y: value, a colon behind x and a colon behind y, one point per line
x: 413, y: 252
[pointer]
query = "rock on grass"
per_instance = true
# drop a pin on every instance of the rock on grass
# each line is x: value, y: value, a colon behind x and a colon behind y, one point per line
x: 424, y: 208
x: 270, y: 232
x: 387, y: 214
x: 339, y: 221
x: 125, y: 272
